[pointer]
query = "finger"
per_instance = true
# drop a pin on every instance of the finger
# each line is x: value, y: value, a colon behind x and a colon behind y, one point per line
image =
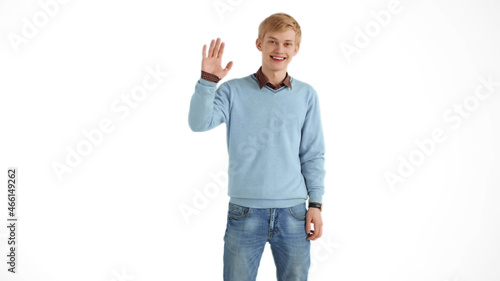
x: 319, y: 230
x: 216, y: 49
x: 228, y: 67
x: 204, y: 51
x: 221, y: 50
x: 308, y: 225
x: 313, y: 235
x: 316, y: 234
x: 211, y: 49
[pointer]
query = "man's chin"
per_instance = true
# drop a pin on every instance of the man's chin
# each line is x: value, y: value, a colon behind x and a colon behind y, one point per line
x: 274, y: 67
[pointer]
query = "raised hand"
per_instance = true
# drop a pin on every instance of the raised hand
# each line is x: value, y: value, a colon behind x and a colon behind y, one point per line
x: 211, y: 62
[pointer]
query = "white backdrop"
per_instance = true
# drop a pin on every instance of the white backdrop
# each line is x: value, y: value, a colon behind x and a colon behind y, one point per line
x: 113, y: 185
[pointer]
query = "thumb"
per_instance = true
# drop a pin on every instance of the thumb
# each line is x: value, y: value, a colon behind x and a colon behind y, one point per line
x: 228, y: 67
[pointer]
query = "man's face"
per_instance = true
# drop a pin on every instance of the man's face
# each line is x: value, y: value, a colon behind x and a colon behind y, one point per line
x: 278, y: 49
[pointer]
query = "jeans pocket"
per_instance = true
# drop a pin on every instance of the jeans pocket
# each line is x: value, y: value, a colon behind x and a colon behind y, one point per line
x: 237, y: 211
x: 298, y: 211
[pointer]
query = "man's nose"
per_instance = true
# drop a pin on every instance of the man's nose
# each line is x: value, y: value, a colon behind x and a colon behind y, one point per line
x: 279, y: 48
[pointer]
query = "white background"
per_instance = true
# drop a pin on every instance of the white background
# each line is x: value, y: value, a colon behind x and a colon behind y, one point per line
x: 117, y: 214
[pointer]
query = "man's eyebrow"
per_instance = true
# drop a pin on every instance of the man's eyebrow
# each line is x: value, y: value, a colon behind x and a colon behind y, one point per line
x: 270, y: 37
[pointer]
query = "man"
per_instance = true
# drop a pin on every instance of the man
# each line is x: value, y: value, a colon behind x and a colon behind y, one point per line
x: 276, y: 153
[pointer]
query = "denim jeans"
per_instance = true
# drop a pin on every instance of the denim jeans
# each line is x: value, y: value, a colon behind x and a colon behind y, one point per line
x: 249, y: 229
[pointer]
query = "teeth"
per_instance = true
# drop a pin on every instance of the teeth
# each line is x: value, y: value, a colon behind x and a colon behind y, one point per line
x: 276, y: 58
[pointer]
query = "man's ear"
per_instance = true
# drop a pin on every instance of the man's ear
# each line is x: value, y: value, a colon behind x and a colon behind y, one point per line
x: 258, y: 44
x: 297, y: 49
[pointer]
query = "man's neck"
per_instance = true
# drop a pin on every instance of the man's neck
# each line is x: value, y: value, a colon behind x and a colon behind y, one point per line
x: 275, y: 77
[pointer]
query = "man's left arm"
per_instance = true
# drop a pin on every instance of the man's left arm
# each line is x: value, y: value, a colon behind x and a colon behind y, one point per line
x: 311, y: 153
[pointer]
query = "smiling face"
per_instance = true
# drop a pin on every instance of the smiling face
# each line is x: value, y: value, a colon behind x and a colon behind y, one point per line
x: 278, y: 48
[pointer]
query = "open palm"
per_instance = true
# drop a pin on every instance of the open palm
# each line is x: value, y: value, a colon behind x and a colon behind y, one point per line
x: 212, y: 61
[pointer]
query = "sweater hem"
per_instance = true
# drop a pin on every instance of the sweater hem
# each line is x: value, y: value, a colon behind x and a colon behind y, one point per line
x: 266, y: 203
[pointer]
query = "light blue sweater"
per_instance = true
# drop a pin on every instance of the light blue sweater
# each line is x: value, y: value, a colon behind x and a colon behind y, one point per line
x: 274, y: 139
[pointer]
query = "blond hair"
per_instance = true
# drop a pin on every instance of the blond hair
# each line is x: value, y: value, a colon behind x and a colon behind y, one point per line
x: 280, y: 22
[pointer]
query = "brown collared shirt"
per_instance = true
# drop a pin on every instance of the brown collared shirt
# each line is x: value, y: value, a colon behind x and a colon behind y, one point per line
x: 261, y: 79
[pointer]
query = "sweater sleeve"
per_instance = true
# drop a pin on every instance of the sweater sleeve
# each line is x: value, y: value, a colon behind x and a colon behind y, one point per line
x: 209, y: 106
x: 312, y: 150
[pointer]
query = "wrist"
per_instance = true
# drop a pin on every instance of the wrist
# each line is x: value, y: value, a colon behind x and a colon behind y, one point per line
x: 316, y: 205
x: 210, y: 77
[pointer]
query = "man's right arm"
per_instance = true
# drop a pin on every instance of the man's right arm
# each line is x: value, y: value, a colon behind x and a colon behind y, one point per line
x: 209, y: 106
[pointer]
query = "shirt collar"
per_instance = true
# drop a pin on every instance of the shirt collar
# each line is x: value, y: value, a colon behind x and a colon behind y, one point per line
x: 262, y: 80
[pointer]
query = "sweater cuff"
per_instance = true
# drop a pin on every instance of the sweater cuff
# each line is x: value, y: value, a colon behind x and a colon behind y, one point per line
x: 316, y: 196
x: 209, y: 77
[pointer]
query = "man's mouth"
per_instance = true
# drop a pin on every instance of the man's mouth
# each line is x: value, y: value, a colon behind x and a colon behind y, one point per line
x: 277, y: 58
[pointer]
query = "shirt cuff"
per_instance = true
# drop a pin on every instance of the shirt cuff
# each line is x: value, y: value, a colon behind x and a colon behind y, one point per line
x: 209, y: 77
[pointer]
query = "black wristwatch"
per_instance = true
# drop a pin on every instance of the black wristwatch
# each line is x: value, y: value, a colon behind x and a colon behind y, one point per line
x: 315, y: 205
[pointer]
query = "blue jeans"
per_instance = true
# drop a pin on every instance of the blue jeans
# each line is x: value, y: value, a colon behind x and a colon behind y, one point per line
x: 249, y: 229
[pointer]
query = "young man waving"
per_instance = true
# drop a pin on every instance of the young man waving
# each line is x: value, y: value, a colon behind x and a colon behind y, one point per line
x: 276, y: 153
